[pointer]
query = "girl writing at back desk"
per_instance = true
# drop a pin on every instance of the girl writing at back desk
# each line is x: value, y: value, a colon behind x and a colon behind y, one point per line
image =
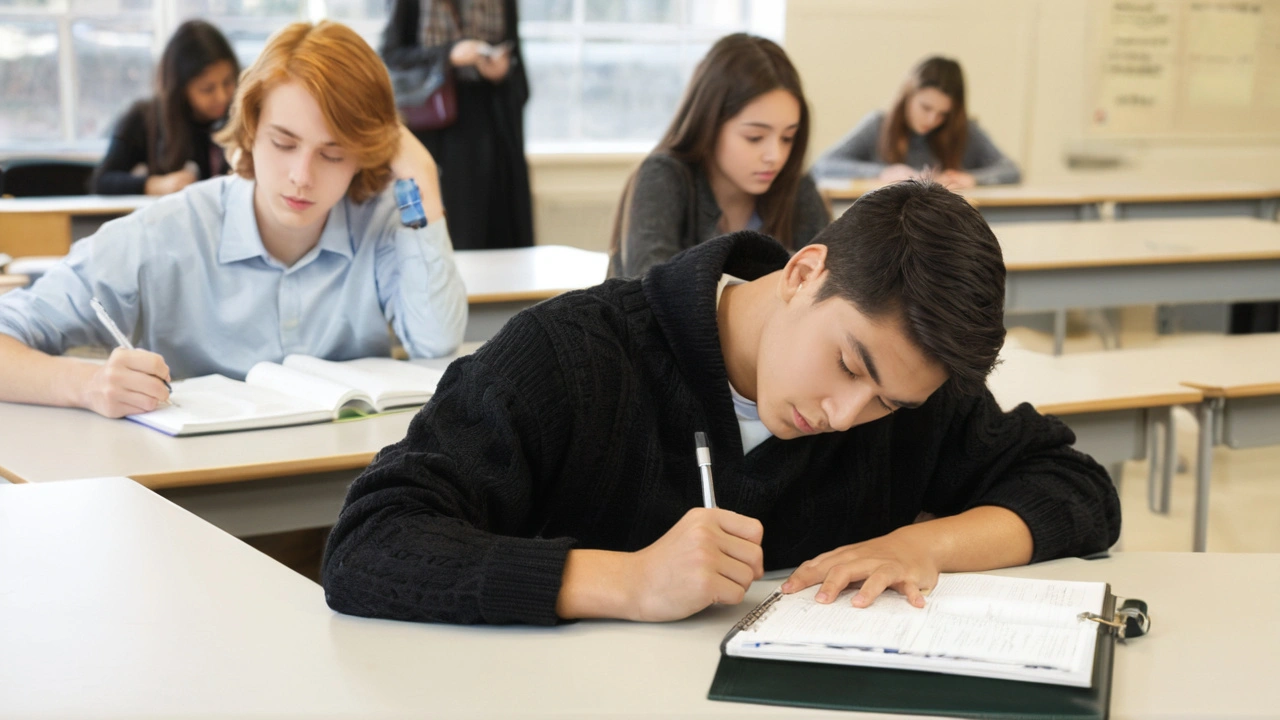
x: 301, y: 251
x: 926, y: 131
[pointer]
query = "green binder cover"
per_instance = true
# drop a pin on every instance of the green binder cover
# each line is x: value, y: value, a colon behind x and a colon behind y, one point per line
x: 867, y: 689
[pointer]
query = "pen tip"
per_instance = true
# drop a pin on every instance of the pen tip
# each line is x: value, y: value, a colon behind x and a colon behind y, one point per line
x: 700, y: 438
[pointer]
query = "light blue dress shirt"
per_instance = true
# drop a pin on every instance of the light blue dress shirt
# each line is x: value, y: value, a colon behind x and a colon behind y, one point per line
x: 188, y: 277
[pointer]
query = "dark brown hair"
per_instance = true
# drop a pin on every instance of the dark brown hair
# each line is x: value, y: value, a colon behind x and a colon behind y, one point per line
x: 736, y: 70
x: 916, y: 253
x: 947, y: 140
x: 195, y: 46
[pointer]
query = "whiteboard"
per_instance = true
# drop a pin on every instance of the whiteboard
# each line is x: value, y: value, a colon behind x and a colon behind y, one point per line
x: 1185, y: 69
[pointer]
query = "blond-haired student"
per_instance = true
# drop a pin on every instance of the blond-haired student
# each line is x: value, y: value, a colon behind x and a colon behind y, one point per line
x: 302, y: 250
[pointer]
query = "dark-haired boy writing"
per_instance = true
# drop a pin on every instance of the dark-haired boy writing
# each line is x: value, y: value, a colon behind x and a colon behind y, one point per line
x: 843, y: 391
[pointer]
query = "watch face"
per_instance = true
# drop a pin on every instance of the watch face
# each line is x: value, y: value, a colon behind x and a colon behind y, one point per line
x: 410, y: 202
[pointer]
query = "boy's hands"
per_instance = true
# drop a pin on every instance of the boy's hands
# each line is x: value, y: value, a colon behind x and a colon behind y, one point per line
x: 896, y: 561
x: 130, y: 382
x: 709, y: 556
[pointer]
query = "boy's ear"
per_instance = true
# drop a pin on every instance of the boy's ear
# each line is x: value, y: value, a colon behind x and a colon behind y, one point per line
x: 805, y: 271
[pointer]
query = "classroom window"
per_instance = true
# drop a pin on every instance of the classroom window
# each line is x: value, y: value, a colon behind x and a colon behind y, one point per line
x: 606, y: 75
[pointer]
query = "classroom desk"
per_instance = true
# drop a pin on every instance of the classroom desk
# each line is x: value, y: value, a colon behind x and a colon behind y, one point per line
x: 501, y: 283
x: 117, y: 604
x: 1236, y: 376
x: 48, y: 225
x: 998, y: 203
x: 247, y: 483
x: 12, y: 282
x: 1054, y: 267
x: 1116, y: 405
x: 1091, y: 198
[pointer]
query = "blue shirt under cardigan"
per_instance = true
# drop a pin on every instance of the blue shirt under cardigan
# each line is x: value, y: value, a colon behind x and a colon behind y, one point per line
x: 188, y: 277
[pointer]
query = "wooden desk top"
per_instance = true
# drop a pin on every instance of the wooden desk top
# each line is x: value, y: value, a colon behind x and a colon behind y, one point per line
x: 41, y: 444
x: 12, y: 282
x: 524, y: 274
x: 77, y: 204
x: 1058, y: 245
x: 120, y: 604
x: 1083, y: 191
x: 1085, y: 382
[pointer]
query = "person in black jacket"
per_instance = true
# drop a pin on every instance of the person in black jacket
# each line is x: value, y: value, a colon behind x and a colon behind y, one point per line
x: 484, y: 175
x: 165, y: 143
x: 553, y: 474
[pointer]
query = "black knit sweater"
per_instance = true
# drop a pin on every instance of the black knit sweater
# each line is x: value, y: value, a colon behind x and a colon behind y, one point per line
x: 573, y: 427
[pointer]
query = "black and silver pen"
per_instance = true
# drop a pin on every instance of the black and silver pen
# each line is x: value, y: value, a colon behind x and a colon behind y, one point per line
x: 704, y: 467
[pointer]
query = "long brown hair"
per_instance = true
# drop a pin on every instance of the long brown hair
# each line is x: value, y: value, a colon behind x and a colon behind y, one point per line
x: 195, y: 46
x: 947, y: 140
x: 736, y: 70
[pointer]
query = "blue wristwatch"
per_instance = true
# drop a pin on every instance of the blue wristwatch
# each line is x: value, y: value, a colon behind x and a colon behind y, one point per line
x: 410, y: 202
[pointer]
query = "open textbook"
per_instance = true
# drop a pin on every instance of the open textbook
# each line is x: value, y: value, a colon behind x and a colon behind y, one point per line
x: 978, y: 625
x: 302, y: 389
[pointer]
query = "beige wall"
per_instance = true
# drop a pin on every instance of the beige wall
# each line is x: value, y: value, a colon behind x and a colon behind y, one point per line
x: 1025, y: 61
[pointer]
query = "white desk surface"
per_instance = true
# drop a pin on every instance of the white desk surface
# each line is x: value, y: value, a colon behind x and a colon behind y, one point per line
x: 40, y: 444
x: 533, y: 273
x: 1085, y: 190
x: 1052, y: 245
x: 118, y: 604
x: 77, y: 204
x: 1087, y: 382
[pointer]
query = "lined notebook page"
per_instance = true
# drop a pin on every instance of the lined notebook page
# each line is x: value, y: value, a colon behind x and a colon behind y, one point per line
x: 990, y: 619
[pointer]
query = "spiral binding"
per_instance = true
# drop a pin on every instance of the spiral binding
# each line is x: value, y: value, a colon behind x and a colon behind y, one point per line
x: 759, y: 612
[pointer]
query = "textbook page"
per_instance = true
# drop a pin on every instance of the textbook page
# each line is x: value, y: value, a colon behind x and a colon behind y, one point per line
x: 214, y: 403
x: 388, y: 383
x: 310, y: 388
x: 971, y: 624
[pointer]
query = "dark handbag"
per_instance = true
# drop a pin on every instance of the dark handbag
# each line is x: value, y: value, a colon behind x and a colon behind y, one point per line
x: 427, y: 96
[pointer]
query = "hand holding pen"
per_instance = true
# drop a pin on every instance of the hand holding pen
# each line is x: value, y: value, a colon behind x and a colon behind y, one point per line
x: 131, y: 381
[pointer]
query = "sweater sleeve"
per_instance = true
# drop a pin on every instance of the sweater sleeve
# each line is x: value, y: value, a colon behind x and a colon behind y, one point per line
x: 439, y: 528
x: 855, y: 156
x: 812, y: 213
x: 1019, y: 460
x: 655, y: 215
x: 128, y: 149
x: 986, y: 163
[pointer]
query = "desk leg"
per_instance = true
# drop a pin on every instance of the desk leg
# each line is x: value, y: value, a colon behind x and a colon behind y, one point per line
x: 1207, y: 412
x: 1059, y: 330
x: 1163, y: 456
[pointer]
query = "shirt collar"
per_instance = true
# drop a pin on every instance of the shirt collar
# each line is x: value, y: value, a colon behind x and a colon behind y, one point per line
x: 241, y: 239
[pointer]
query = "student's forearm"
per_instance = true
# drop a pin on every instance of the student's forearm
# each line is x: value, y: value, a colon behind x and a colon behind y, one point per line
x: 983, y: 538
x: 30, y: 376
x: 594, y: 586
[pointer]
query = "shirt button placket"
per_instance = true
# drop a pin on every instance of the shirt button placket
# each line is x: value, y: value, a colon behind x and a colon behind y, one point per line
x: 290, y: 309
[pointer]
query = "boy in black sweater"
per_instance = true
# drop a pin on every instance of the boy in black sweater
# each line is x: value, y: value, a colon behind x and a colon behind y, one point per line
x: 553, y: 475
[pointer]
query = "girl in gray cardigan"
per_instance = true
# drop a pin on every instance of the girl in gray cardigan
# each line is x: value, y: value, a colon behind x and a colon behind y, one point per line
x: 731, y: 160
x: 927, y: 131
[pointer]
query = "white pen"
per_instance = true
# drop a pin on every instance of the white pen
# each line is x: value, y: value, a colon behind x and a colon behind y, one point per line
x: 704, y: 467
x: 121, y: 340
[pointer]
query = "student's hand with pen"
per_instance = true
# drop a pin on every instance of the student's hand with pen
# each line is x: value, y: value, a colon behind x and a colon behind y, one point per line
x: 955, y: 179
x: 710, y: 556
x: 900, y: 561
x: 897, y: 172
x: 130, y: 382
